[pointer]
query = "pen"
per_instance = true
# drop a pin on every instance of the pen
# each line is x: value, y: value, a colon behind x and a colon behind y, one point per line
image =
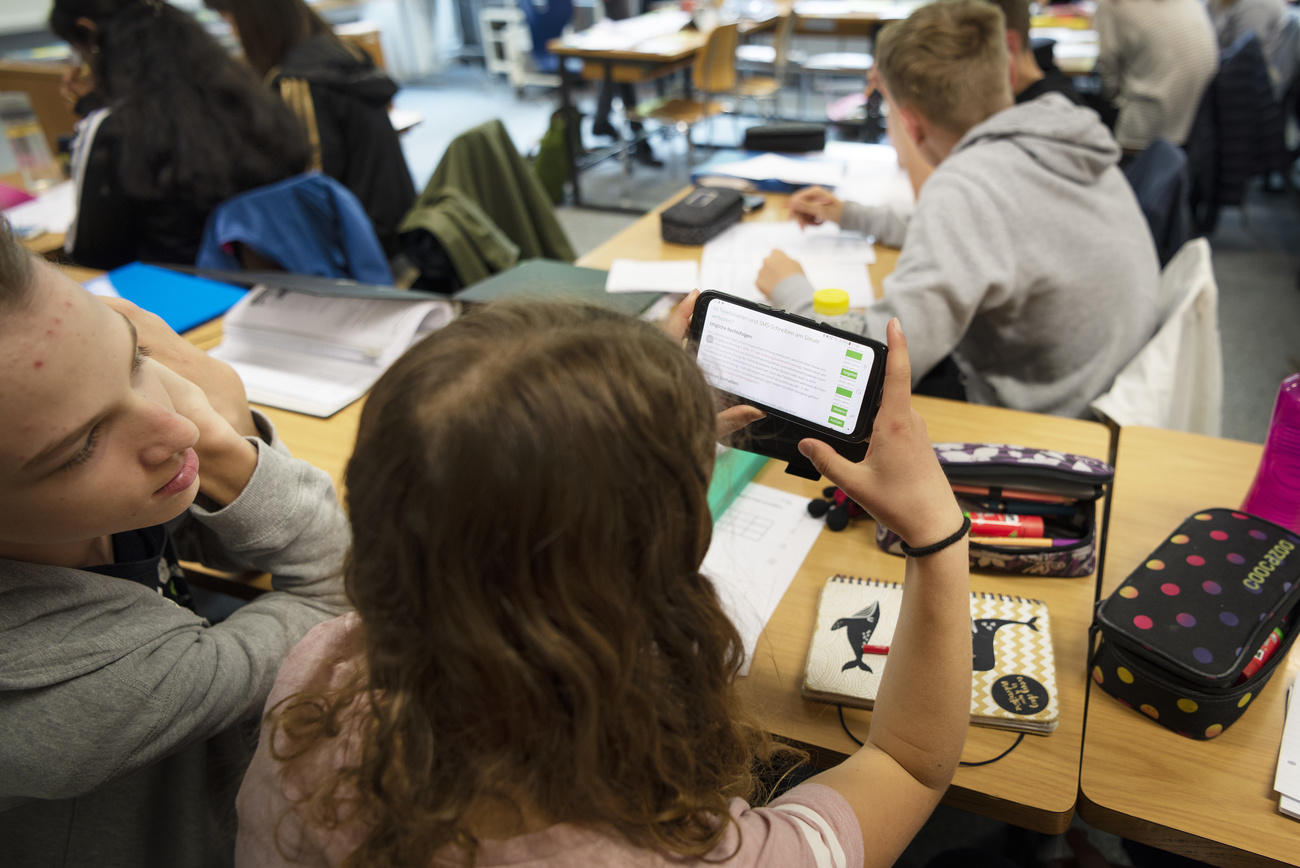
x: 1024, y: 542
x: 875, y: 649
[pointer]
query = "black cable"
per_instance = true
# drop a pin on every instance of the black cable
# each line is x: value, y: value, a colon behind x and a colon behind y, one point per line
x: 1015, y: 744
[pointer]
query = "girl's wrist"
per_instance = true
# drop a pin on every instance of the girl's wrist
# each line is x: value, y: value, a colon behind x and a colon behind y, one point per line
x: 225, y: 468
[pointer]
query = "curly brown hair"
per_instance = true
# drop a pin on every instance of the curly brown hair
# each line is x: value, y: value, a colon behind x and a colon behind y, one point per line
x: 529, y: 508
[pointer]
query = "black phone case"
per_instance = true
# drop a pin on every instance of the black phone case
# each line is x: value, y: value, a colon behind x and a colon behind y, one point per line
x: 778, y: 435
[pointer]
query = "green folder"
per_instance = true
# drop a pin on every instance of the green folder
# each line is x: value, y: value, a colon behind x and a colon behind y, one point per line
x: 732, y: 471
x: 552, y: 280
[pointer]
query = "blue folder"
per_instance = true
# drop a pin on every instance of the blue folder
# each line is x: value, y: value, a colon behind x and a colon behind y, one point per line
x: 182, y: 300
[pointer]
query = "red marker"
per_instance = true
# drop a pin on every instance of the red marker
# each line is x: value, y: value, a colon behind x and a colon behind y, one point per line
x: 1262, y: 656
x: 1005, y: 524
x: 875, y: 649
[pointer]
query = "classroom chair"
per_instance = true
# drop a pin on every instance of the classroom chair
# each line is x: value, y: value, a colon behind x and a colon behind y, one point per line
x: 307, y: 224
x: 713, y: 74
x: 1159, y: 178
x: 1176, y: 379
x: 778, y: 57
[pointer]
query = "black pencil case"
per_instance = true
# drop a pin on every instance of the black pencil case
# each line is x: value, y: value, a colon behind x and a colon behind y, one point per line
x: 785, y: 138
x: 1177, y: 635
x: 1000, y: 467
x: 704, y: 213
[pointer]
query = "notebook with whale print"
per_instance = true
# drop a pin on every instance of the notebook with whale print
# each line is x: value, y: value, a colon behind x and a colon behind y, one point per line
x: 1013, y: 678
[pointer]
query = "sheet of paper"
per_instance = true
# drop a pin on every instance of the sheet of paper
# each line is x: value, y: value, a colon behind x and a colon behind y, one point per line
x: 758, y: 546
x: 634, y: 275
x: 830, y: 258
x: 52, y: 211
x: 1287, y: 780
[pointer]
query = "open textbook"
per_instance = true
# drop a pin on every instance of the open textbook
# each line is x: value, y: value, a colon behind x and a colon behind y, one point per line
x: 316, y: 354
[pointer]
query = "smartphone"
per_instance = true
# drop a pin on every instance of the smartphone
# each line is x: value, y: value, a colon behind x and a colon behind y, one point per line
x: 813, y: 380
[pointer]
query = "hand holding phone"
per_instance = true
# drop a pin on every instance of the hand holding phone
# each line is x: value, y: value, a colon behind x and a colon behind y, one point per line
x: 812, y: 380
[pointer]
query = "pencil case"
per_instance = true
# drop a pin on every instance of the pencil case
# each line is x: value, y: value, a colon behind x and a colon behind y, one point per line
x: 785, y: 138
x: 1175, y: 640
x: 704, y: 213
x: 1071, y: 525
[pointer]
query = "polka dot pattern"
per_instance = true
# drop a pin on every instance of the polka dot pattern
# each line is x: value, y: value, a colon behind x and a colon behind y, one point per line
x: 1193, y: 603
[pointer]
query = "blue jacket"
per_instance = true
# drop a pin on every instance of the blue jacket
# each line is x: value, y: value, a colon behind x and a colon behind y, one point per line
x: 307, y: 224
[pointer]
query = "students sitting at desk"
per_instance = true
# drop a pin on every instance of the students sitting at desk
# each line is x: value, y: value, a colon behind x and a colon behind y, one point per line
x: 552, y: 683
x: 124, y: 711
x: 182, y: 128
x: 340, y: 97
x: 1027, y: 257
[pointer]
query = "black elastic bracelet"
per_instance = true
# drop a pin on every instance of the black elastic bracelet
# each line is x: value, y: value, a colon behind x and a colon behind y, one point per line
x: 942, y: 544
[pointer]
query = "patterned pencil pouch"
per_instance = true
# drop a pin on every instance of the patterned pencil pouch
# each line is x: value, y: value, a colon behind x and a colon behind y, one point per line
x: 1058, y: 490
x: 1180, y: 637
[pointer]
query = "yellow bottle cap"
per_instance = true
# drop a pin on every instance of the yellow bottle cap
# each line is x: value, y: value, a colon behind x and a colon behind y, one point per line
x: 830, y: 302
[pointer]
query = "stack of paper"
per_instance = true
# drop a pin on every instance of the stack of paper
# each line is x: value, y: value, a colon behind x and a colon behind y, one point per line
x: 633, y: 275
x: 831, y: 258
x: 1287, y: 781
x: 52, y: 211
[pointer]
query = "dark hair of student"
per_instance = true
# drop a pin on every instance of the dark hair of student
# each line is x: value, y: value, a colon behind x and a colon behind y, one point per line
x: 15, y: 269
x: 1016, y: 13
x: 193, y: 121
x: 530, y: 511
x: 270, y: 29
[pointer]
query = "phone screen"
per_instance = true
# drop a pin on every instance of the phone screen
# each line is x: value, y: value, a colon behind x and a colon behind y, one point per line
x: 818, y: 378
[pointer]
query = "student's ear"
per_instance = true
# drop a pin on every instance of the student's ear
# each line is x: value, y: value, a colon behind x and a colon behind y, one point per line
x: 914, y: 126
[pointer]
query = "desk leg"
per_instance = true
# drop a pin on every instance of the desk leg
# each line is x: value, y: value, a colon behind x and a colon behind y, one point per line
x: 572, y: 130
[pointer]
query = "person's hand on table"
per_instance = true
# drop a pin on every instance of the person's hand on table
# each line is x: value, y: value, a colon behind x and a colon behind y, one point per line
x: 776, y: 268
x: 813, y: 206
x: 218, y: 381
x: 226, y: 459
x: 730, y: 419
x: 899, y: 481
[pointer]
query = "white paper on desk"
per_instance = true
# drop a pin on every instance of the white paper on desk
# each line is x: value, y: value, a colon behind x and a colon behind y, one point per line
x: 317, y: 354
x: 628, y: 33
x: 801, y: 172
x: 634, y: 275
x: 830, y: 257
x: 52, y: 211
x: 758, y: 546
x: 1287, y: 779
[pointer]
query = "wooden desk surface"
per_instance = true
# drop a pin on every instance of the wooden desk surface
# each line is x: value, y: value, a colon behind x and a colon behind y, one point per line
x: 642, y: 240
x: 1036, y: 785
x: 1210, y: 800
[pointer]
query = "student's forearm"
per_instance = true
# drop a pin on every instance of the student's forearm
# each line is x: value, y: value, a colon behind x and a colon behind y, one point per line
x: 923, y: 705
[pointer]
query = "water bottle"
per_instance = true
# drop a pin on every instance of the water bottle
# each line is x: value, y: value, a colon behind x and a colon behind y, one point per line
x: 830, y: 306
x: 1275, y: 493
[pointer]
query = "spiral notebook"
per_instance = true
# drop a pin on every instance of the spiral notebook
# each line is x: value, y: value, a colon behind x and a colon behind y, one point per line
x: 1013, y: 678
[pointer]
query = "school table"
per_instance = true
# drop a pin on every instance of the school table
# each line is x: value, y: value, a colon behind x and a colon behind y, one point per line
x: 1037, y: 784
x: 1210, y: 800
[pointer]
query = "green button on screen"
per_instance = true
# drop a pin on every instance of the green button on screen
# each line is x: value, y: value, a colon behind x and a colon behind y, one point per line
x: 840, y: 390
x: 838, y: 422
x: 853, y: 354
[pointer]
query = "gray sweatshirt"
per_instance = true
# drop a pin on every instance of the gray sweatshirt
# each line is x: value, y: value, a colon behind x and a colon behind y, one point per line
x: 1027, y: 258
x: 127, y: 720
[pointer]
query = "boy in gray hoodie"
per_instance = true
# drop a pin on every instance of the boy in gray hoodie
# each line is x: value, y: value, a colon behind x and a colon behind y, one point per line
x: 1027, y: 258
x: 121, y: 707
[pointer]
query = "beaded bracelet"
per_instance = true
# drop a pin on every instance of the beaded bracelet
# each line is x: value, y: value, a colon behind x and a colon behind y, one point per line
x: 942, y: 544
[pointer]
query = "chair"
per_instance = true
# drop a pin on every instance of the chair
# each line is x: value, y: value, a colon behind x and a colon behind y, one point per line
x: 1176, y: 380
x: 713, y: 73
x: 307, y: 224
x: 777, y: 55
x: 1159, y: 178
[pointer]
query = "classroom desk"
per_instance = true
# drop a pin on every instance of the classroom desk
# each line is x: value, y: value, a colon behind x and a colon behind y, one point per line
x: 642, y: 240
x: 848, y: 17
x: 1210, y: 800
x: 1036, y: 785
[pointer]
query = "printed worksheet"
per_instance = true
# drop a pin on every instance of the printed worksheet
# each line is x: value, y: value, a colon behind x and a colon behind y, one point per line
x: 758, y: 546
x: 831, y: 258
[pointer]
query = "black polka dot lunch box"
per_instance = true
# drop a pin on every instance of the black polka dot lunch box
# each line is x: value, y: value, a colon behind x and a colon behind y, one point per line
x: 1180, y: 638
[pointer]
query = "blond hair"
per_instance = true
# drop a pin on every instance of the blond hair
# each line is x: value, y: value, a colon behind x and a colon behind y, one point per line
x: 949, y: 62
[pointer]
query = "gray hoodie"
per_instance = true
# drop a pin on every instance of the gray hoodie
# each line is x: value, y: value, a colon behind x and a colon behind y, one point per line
x: 1027, y: 258
x: 120, y: 710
